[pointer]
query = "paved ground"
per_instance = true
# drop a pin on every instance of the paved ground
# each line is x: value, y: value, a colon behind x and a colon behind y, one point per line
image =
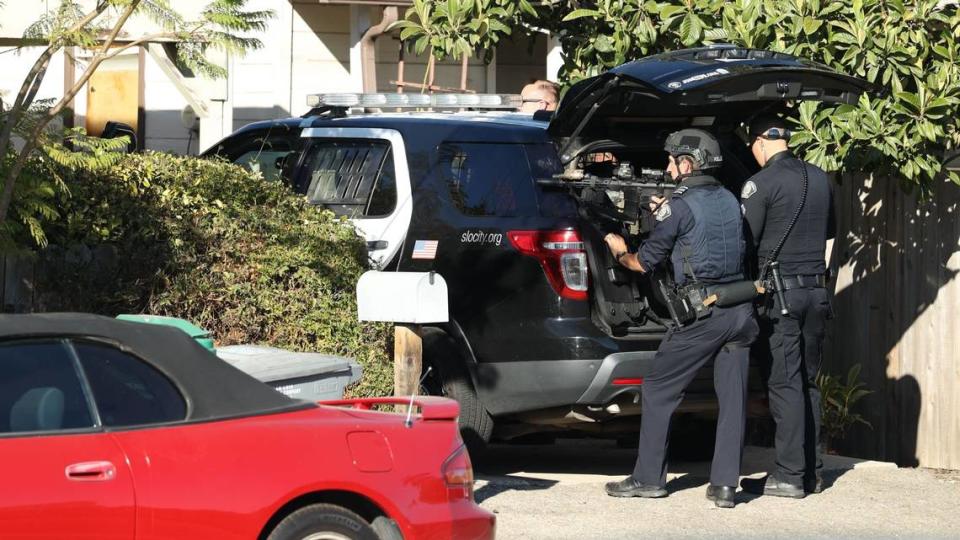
x: 556, y: 492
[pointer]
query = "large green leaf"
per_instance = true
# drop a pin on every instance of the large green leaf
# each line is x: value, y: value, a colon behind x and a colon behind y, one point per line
x: 603, y: 43
x: 581, y: 13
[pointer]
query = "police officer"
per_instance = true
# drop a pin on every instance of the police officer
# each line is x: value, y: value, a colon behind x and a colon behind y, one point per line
x: 771, y: 200
x: 701, y: 230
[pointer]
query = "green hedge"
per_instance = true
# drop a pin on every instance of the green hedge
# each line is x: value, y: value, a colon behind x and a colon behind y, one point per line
x: 210, y: 242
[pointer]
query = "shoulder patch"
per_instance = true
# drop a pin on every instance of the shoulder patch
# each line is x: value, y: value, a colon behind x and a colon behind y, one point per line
x: 680, y: 191
x: 748, y: 190
x: 664, y: 212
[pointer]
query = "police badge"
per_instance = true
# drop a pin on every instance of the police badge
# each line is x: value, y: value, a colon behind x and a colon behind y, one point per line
x: 664, y: 211
x: 748, y: 190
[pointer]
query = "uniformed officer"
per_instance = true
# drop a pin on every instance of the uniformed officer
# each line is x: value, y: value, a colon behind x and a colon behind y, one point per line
x: 701, y: 230
x: 772, y: 199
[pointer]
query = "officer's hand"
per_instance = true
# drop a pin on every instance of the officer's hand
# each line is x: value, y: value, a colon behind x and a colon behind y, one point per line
x: 616, y: 243
x: 655, y: 202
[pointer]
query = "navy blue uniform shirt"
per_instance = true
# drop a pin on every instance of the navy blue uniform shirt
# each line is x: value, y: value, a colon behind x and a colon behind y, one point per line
x: 770, y: 199
x: 657, y: 247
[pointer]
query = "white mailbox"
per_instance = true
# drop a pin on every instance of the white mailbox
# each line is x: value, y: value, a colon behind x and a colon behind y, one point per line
x: 402, y: 297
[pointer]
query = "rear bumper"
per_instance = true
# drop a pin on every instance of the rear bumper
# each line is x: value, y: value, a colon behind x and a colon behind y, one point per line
x: 461, y: 520
x: 699, y: 397
x: 515, y: 387
x: 616, y: 373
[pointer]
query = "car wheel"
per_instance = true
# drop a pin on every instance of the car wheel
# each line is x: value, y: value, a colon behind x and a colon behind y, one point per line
x: 323, y: 522
x: 453, y: 381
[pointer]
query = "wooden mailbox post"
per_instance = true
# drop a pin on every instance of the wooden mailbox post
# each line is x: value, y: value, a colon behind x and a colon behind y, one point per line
x: 407, y: 359
x: 407, y: 299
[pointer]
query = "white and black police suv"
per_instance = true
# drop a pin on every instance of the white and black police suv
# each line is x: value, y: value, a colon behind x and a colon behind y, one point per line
x: 547, y: 332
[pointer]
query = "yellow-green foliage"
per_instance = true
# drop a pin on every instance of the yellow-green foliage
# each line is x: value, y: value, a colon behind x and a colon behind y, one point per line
x: 214, y: 244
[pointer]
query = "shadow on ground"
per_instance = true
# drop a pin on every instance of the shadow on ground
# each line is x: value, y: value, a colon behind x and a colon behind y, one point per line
x: 507, y: 467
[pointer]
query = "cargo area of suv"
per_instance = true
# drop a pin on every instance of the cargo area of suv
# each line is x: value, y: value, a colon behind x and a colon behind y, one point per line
x: 547, y: 332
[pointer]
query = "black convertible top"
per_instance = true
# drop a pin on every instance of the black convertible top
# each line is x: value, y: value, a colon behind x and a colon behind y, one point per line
x: 212, y: 388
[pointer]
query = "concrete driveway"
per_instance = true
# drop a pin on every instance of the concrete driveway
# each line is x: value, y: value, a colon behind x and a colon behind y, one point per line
x: 556, y: 492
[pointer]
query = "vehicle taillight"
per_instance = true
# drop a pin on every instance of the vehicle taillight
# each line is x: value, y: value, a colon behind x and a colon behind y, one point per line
x: 562, y: 257
x: 458, y: 474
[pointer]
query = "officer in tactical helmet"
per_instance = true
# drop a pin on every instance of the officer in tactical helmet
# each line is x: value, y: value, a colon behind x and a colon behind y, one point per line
x: 700, y: 230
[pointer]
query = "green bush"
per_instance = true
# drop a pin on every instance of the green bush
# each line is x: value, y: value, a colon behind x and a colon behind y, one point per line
x: 214, y: 244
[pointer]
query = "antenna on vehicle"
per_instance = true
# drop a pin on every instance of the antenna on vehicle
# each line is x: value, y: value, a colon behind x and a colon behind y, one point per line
x: 409, y: 421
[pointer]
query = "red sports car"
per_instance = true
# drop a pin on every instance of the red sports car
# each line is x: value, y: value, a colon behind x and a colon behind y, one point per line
x: 113, y: 429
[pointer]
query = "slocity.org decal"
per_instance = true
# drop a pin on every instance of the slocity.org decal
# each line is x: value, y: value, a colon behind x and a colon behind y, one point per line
x: 481, y: 237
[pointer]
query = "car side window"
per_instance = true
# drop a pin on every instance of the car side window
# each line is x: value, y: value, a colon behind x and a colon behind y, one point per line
x: 488, y: 179
x: 352, y: 177
x: 267, y: 151
x: 544, y: 163
x: 128, y: 391
x: 40, y: 388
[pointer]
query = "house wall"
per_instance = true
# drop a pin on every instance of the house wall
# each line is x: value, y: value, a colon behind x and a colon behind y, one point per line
x: 521, y: 58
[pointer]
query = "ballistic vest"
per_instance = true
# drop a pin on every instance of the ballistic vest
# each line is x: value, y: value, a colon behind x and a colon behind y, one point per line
x: 712, y: 250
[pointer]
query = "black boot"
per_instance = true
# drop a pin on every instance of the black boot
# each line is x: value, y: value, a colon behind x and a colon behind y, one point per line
x: 771, y: 485
x: 813, y: 485
x: 722, y: 496
x: 629, y: 487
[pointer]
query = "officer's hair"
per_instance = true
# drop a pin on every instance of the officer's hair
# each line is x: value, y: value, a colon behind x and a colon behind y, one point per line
x: 689, y: 159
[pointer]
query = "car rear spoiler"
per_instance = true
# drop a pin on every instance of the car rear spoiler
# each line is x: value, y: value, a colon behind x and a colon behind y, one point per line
x: 431, y: 407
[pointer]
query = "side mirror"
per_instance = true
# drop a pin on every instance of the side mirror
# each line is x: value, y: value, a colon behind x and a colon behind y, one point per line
x: 113, y: 130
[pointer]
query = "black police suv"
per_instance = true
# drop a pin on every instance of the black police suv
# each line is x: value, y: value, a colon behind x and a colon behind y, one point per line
x: 547, y: 333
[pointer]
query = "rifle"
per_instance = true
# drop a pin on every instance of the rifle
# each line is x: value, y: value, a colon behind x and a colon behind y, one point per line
x: 590, y: 190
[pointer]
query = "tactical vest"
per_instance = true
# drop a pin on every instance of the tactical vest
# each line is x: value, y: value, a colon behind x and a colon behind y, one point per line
x: 713, y: 249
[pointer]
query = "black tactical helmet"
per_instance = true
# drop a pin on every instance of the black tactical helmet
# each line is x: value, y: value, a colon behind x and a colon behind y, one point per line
x: 696, y: 143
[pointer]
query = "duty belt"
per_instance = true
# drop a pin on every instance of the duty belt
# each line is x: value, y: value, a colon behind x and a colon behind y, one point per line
x: 804, y: 281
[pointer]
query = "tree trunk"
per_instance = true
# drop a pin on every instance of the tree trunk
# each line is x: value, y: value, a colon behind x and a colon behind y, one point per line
x: 464, y: 63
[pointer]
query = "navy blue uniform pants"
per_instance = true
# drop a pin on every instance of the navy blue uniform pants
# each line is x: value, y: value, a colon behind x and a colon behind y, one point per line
x: 795, y: 343
x: 725, y: 337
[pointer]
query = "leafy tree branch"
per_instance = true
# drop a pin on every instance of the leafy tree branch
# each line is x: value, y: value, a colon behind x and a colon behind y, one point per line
x: 224, y: 25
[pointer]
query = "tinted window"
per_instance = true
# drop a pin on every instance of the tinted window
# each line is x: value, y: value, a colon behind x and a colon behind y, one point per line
x: 127, y: 390
x: 40, y: 388
x: 544, y: 163
x: 384, y: 197
x: 488, y: 179
x: 354, y: 178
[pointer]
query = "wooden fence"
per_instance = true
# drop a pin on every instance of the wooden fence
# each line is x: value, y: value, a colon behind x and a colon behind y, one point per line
x: 897, y: 304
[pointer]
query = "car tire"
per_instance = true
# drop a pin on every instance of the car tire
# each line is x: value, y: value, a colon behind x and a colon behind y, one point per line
x: 323, y: 522
x: 453, y: 381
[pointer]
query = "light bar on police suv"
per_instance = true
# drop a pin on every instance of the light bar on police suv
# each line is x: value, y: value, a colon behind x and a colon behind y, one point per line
x: 416, y: 101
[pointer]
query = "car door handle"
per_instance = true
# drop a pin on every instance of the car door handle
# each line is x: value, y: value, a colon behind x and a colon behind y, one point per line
x: 91, y: 471
x: 377, y: 244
